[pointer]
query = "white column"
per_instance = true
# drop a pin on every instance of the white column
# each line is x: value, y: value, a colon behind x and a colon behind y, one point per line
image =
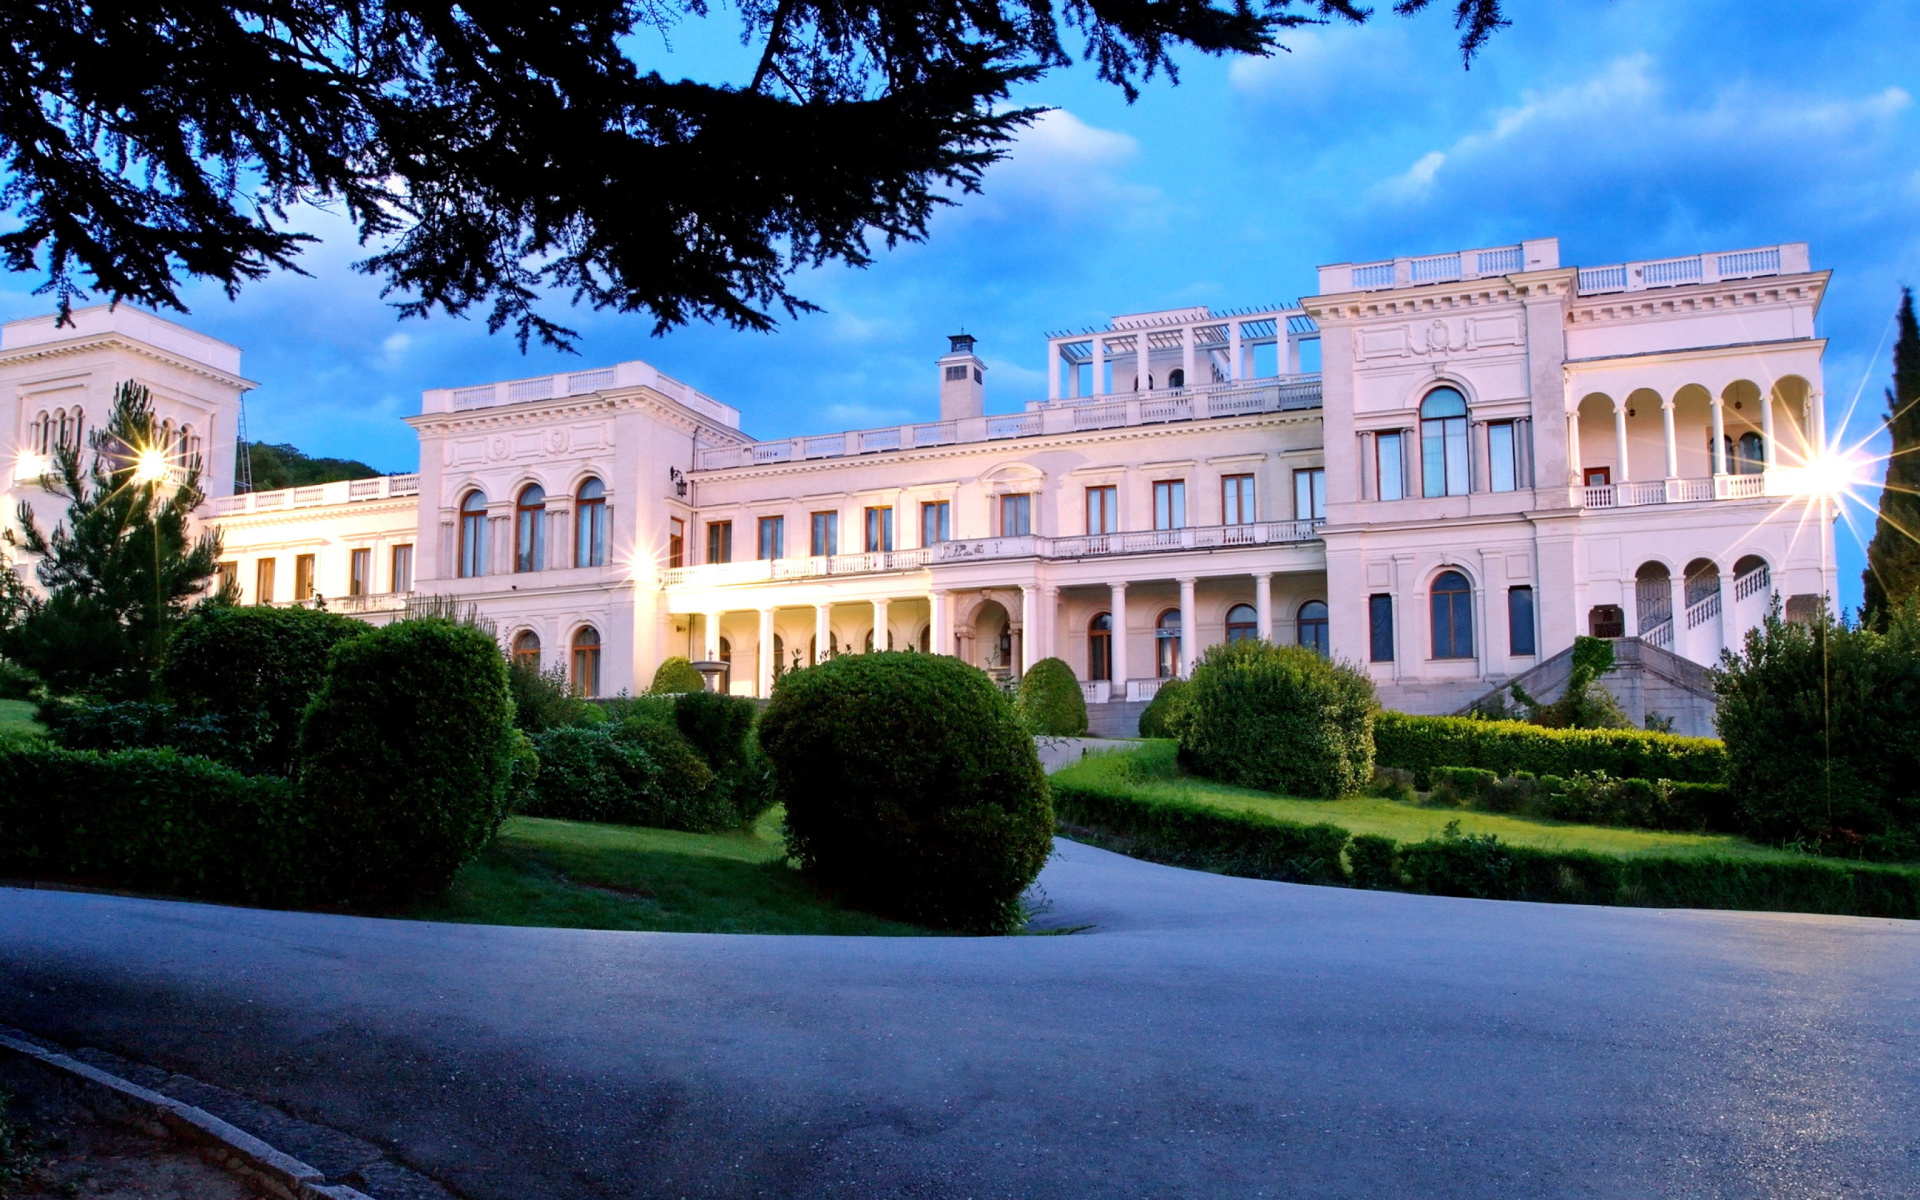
x: 822, y: 631
x: 1766, y: 427
x: 1189, y: 636
x: 1263, y: 605
x: 1233, y: 370
x: 1673, y: 447
x: 1620, y: 441
x: 1729, y: 632
x: 1817, y: 423
x: 1029, y: 618
x: 713, y: 637
x: 1054, y: 361
x: 939, y: 640
x: 1140, y: 361
x: 1719, y: 436
x: 1576, y: 475
x: 766, y: 653
x: 1099, y: 366
x: 1119, y: 643
x: 1186, y: 356
x: 880, y: 624
x: 1046, y: 632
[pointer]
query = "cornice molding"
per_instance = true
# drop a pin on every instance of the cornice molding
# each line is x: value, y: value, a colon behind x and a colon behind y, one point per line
x: 1659, y: 303
x: 589, y: 404
x: 307, y: 513
x: 120, y: 341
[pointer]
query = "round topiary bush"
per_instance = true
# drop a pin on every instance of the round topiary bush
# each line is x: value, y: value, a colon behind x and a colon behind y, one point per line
x: 677, y: 675
x: 1278, y: 718
x: 406, y: 757
x: 911, y: 788
x: 1050, y: 701
x: 254, y: 669
x: 1161, y: 719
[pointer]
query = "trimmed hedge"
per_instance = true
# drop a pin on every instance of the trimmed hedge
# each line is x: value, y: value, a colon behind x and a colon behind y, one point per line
x: 407, y: 756
x: 1163, y: 714
x: 1050, y: 701
x: 254, y: 670
x: 676, y: 675
x: 152, y: 821
x: 1278, y: 718
x: 1259, y: 846
x: 911, y: 788
x: 1419, y: 744
x: 1592, y: 799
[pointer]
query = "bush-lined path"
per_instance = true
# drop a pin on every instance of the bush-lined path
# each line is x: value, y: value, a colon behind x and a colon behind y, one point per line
x: 1207, y: 1037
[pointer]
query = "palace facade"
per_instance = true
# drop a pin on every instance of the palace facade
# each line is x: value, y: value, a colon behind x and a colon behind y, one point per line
x: 1495, y: 453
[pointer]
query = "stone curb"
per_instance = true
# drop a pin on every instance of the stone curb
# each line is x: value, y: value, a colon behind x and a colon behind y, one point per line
x: 231, y: 1148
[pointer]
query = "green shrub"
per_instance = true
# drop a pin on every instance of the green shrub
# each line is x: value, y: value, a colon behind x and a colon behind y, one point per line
x: 1419, y: 744
x: 1392, y: 783
x: 720, y: 730
x: 152, y: 821
x: 1590, y: 799
x: 1822, y: 724
x: 676, y: 675
x: 1050, y: 701
x: 1204, y: 838
x: 254, y: 669
x: 588, y: 774
x: 1374, y: 862
x: 407, y: 756
x: 80, y: 723
x: 16, y: 681
x: 1161, y: 718
x: 542, y: 699
x: 911, y: 788
x: 1461, y: 785
x: 1278, y: 718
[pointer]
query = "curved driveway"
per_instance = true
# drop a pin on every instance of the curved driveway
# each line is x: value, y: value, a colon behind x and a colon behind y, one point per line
x: 1208, y: 1037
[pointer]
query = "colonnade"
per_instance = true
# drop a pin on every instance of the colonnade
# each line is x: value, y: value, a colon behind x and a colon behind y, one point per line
x: 1813, y: 425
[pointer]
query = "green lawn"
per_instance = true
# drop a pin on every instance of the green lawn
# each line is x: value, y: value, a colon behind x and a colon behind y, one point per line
x: 585, y: 876
x: 1151, y: 771
x: 16, y: 716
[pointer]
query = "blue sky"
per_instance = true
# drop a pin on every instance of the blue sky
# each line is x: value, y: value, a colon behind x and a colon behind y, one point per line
x: 1628, y: 128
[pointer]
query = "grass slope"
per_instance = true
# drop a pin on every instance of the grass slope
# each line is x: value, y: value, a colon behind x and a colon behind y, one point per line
x: 1151, y: 772
x: 16, y: 716
x: 578, y: 875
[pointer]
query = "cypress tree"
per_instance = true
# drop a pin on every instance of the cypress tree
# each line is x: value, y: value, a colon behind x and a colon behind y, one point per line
x: 1893, y: 557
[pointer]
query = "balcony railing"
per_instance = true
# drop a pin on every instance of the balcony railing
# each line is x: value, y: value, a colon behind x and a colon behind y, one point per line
x: 1682, y: 491
x: 1786, y: 259
x: 1147, y: 541
x: 1237, y: 398
x: 345, y: 491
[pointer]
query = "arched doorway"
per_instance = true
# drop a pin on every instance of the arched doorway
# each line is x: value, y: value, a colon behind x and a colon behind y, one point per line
x: 1653, y: 603
x: 1166, y: 644
x: 1100, y: 647
x: 993, y: 639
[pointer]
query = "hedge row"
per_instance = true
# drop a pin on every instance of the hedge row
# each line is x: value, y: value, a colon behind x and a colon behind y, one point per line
x: 1592, y: 799
x: 1419, y: 744
x: 1262, y: 847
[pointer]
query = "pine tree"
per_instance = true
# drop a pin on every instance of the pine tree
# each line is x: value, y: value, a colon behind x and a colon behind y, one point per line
x: 1893, y: 557
x: 119, y: 571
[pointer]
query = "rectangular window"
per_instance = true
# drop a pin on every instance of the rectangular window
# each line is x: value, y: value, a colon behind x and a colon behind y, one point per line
x: 229, y: 573
x: 773, y: 537
x: 1380, y: 627
x: 826, y: 534
x: 676, y: 542
x: 1236, y: 500
x: 719, y: 541
x: 1503, y: 467
x: 1389, y: 451
x: 402, y: 568
x: 1520, y: 621
x: 1016, y: 515
x: 1310, y: 495
x: 303, y: 571
x: 934, y: 528
x: 880, y: 529
x: 1103, y: 510
x: 360, y: 573
x: 1170, y: 504
x: 263, y: 580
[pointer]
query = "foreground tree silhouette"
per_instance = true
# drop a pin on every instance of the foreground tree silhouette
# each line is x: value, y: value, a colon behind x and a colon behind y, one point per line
x: 120, y: 571
x: 490, y: 153
x: 1893, y: 556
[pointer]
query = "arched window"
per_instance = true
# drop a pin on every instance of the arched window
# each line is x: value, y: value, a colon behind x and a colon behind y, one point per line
x: 189, y: 445
x: 66, y: 426
x: 473, y: 535
x: 1166, y: 644
x: 40, y: 439
x: 1176, y: 378
x: 530, y: 528
x: 1100, y: 647
x: 526, y: 649
x: 1243, y: 623
x: 586, y: 661
x: 1750, y: 454
x: 1443, y: 443
x: 1452, y: 601
x: 73, y: 429
x: 590, y: 519
x: 1313, y: 626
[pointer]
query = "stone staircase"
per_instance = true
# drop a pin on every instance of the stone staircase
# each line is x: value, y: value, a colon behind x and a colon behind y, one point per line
x: 1645, y: 678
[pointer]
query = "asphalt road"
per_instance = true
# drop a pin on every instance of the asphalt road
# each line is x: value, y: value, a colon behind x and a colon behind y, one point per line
x: 1207, y: 1037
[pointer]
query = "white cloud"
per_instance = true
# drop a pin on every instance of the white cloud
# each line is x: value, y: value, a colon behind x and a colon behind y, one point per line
x: 1060, y: 166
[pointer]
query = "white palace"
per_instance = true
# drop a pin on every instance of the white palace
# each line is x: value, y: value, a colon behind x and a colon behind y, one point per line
x: 1496, y: 453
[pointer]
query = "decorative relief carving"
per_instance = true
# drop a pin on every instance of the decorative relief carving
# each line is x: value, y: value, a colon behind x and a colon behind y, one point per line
x: 1438, y: 338
x: 497, y: 448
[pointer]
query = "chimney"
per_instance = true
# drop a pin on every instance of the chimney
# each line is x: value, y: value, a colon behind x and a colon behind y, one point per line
x: 962, y: 381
